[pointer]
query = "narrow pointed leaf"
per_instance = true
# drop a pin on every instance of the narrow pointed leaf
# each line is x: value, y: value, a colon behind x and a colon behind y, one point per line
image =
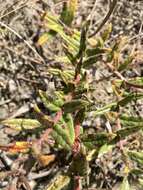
x: 126, y: 131
x: 52, y: 106
x: 90, y: 61
x: 131, y: 121
x: 98, y: 139
x: 70, y: 127
x: 68, y: 12
x: 103, y: 110
x: 126, y: 63
x: 22, y: 124
x: 96, y: 51
x: 79, y: 165
x: 136, y: 156
x: 75, y: 105
x: 60, y: 141
x: 45, y: 120
x: 82, y: 46
x: 106, y: 32
x: 104, y: 149
x: 61, y: 131
x: 125, y: 184
x: 47, y: 36
x: 52, y: 22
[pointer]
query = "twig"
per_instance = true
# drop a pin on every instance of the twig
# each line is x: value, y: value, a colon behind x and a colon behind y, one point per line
x: 6, y: 101
x: 112, y: 7
x: 91, y: 15
x: 120, y: 76
x: 20, y: 37
x: 13, y: 184
x: 6, y: 14
x: 25, y: 182
x: 77, y: 180
x: 28, y: 80
x: 22, y: 110
x: 6, y: 161
x: 33, y: 176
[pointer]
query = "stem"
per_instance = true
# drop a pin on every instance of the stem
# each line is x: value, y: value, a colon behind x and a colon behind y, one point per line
x: 77, y: 183
x: 112, y: 7
x: 58, y: 117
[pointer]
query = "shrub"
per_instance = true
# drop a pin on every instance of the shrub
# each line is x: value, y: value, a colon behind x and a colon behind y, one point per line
x: 72, y: 103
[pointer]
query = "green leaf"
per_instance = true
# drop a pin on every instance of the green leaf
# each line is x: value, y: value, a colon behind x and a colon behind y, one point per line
x: 22, y: 124
x: 136, y: 171
x: 131, y: 121
x: 70, y: 56
x: 80, y: 116
x: 105, y: 149
x: 66, y: 75
x: 116, y: 49
x: 136, y: 81
x: 79, y: 165
x: 45, y: 120
x: 98, y: 139
x: 136, y: 156
x: 63, y: 59
x: 129, y: 98
x: 52, y: 107
x: 126, y: 63
x: 70, y: 127
x: 68, y: 12
x: 75, y: 105
x: 60, y: 141
x: 47, y: 36
x: 60, y: 130
x: 126, y: 131
x: 141, y: 182
x: 63, y: 132
x: 83, y: 42
x: 53, y: 23
x: 103, y: 110
x: 106, y: 32
x: 125, y: 100
x: 95, y: 51
x: 50, y: 103
x: 125, y: 184
x: 113, y: 106
x: 89, y: 61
